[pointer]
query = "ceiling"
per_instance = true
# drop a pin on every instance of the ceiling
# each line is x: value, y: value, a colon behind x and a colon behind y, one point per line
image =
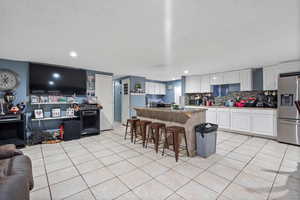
x: 158, y: 39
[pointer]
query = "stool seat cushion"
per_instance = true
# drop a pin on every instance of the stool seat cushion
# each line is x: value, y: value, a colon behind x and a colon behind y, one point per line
x: 157, y: 125
x: 177, y: 129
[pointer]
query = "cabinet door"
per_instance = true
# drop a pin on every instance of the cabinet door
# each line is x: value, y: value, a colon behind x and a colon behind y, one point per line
x: 159, y: 89
x: 156, y: 88
x: 192, y: 84
x: 216, y: 79
x: 246, y: 80
x: 270, y: 77
x: 205, y: 84
x: 240, y: 120
x: 163, y: 89
x: 223, y: 118
x: 211, y: 116
x: 152, y: 88
x: 289, y: 67
x: 231, y: 77
x: 147, y: 88
x: 264, y: 122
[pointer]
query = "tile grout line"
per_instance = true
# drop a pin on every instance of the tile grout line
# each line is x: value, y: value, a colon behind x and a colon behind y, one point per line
x: 78, y: 173
x: 115, y: 176
x: 277, y: 173
x: 46, y: 173
x: 193, y: 179
x: 243, y: 167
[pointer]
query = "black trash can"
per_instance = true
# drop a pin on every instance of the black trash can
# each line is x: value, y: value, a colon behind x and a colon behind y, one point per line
x: 206, y: 135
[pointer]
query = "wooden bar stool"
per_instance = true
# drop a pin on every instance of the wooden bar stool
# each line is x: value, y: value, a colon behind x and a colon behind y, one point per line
x: 145, y: 124
x: 176, y: 132
x: 155, y: 132
x: 133, y: 124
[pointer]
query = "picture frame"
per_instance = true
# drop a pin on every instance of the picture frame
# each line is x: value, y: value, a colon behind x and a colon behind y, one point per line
x: 56, y: 112
x: 38, y: 113
x: 44, y: 99
x: 35, y: 99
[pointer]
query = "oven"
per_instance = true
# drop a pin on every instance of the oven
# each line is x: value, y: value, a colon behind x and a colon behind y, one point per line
x: 90, y: 121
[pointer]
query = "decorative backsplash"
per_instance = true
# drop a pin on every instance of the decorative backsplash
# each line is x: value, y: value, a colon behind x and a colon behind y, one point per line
x: 241, y: 95
x: 221, y: 100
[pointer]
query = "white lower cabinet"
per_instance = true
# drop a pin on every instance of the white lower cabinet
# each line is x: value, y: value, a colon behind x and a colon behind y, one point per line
x: 223, y: 118
x: 248, y: 120
x: 264, y: 123
x: 211, y: 115
x: 257, y: 121
x: 240, y: 120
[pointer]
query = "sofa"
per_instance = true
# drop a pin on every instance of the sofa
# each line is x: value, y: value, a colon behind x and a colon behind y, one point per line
x: 15, y: 174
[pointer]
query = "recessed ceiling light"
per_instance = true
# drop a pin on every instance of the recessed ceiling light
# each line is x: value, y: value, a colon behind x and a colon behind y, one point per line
x: 56, y: 75
x: 51, y: 83
x: 73, y: 54
x: 173, y: 79
x: 186, y: 71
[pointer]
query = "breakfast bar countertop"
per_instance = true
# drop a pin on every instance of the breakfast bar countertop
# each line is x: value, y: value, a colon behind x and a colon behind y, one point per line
x: 187, y: 118
x: 168, y: 114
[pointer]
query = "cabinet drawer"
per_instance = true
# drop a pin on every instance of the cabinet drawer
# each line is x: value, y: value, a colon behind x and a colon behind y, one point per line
x: 265, y: 112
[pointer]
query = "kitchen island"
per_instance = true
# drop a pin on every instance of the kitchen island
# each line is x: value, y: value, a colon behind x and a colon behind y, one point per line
x: 187, y: 118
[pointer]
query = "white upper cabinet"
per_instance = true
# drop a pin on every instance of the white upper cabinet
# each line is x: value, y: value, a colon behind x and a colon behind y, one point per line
x: 246, y: 79
x: 271, y: 74
x: 216, y: 79
x: 231, y: 77
x: 155, y: 88
x: 205, y: 84
x: 162, y: 88
x: 270, y: 77
x: 289, y: 67
x: 192, y: 84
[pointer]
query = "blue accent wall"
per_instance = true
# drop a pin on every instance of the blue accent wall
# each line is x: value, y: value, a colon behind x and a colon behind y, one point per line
x: 22, y: 69
x: 136, y: 101
x: 137, y: 80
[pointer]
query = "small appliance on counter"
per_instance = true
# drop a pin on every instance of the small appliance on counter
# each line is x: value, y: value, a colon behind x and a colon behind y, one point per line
x: 229, y: 103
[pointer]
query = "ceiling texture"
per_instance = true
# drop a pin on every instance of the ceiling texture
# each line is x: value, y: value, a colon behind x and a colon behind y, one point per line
x: 158, y: 39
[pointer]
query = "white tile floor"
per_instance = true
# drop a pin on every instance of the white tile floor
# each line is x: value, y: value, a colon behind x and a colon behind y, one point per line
x: 107, y: 167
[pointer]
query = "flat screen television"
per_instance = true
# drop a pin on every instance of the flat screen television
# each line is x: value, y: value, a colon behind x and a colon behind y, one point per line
x: 52, y: 79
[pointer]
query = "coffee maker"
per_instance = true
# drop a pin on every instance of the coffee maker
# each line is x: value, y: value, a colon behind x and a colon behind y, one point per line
x: 9, y: 98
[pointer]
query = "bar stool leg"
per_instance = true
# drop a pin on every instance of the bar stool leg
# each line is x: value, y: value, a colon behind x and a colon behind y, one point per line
x: 126, y: 130
x: 157, y: 133
x: 137, y: 125
x: 131, y: 131
x: 148, y: 136
x: 176, y: 145
x: 166, y: 144
x: 144, y: 134
x: 186, y: 146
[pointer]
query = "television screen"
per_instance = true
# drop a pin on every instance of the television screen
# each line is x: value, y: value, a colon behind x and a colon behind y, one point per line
x: 50, y: 79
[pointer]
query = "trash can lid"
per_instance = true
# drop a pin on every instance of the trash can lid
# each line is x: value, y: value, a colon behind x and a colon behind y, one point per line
x: 206, y: 128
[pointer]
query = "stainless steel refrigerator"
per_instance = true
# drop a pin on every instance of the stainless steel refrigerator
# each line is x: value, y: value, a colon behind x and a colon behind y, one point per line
x: 288, y: 122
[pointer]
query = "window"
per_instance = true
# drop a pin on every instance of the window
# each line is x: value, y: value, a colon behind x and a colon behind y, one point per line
x: 224, y: 90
